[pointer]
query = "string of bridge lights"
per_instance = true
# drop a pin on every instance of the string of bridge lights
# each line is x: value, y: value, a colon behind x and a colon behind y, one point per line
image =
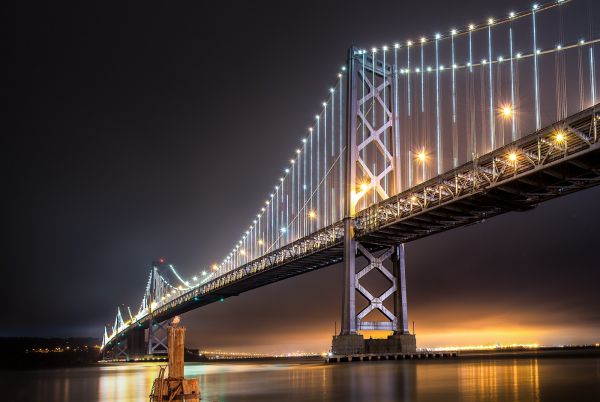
x: 471, y: 28
x: 239, y: 248
x: 421, y: 155
x: 502, y: 59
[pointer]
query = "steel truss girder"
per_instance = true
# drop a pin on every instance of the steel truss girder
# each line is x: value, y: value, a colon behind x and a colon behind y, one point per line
x: 491, y: 172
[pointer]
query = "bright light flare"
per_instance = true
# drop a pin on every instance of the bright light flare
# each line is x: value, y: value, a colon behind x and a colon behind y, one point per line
x: 507, y: 111
x: 312, y: 214
x: 512, y: 156
x: 421, y: 155
x: 560, y: 137
x: 364, y: 187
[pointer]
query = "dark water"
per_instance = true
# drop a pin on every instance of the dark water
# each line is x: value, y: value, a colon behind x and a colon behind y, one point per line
x: 524, y: 379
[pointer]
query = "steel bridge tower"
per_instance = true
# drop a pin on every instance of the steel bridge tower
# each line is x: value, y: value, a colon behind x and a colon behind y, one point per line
x: 372, y: 129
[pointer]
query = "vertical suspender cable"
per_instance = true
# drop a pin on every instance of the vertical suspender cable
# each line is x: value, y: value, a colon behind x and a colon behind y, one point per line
x: 491, y: 89
x: 538, y: 122
x: 437, y: 108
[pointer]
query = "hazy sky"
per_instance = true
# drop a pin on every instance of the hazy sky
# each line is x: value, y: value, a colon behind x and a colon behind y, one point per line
x: 138, y: 130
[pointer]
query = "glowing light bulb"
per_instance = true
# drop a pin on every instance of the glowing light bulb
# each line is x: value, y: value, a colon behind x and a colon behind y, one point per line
x: 409, y: 43
x: 507, y: 111
x: 243, y: 252
x: 260, y: 242
x: 453, y: 31
x: 471, y: 27
x: 364, y: 187
x: 423, y: 39
x: 512, y: 157
x: 421, y: 155
x: 312, y: 214
x: 490, y: 21
x: 560, y: 137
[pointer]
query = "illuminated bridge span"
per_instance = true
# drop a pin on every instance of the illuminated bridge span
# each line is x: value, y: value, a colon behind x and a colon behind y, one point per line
x: 413, y: 138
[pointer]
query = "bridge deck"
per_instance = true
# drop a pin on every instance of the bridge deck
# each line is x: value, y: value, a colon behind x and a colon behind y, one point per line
x: 542, y: 169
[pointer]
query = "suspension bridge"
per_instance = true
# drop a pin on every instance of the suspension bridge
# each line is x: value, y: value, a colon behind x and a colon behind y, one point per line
x: 413, y: 138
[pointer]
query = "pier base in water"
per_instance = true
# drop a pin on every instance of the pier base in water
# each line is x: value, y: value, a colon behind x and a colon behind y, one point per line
x: 175, y: 387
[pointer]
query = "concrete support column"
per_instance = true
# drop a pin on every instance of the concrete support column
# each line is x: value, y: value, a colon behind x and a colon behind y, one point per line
x: 136, y: 342
x: 348, y: 300
x: 400, y: 306
x: 349, y: 297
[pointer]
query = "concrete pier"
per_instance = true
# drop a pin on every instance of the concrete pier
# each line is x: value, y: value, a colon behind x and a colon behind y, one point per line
x: 355, y: 344
x: 389, y: 356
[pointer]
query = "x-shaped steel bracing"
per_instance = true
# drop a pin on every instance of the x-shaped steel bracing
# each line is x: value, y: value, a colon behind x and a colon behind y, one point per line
x: 375, y: 302
x: 374, y: 132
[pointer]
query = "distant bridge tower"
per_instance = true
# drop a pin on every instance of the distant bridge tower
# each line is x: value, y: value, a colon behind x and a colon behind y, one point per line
x: 372, y: 174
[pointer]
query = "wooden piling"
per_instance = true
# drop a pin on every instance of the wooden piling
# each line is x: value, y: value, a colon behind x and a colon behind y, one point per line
x: 176, y: 339
x: 175, y: 387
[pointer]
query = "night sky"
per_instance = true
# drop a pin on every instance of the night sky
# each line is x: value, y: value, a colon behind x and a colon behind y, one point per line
x: 136, y: 130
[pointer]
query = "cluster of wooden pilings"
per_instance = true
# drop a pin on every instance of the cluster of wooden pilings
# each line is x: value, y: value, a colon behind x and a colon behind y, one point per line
x: 173, y: 386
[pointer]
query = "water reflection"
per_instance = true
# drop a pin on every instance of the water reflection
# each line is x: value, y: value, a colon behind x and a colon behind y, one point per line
x: 415, y: 381
x: 514, y: 379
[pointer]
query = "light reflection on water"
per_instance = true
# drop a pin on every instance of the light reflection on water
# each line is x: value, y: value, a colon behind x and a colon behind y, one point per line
x: 551, y: 379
